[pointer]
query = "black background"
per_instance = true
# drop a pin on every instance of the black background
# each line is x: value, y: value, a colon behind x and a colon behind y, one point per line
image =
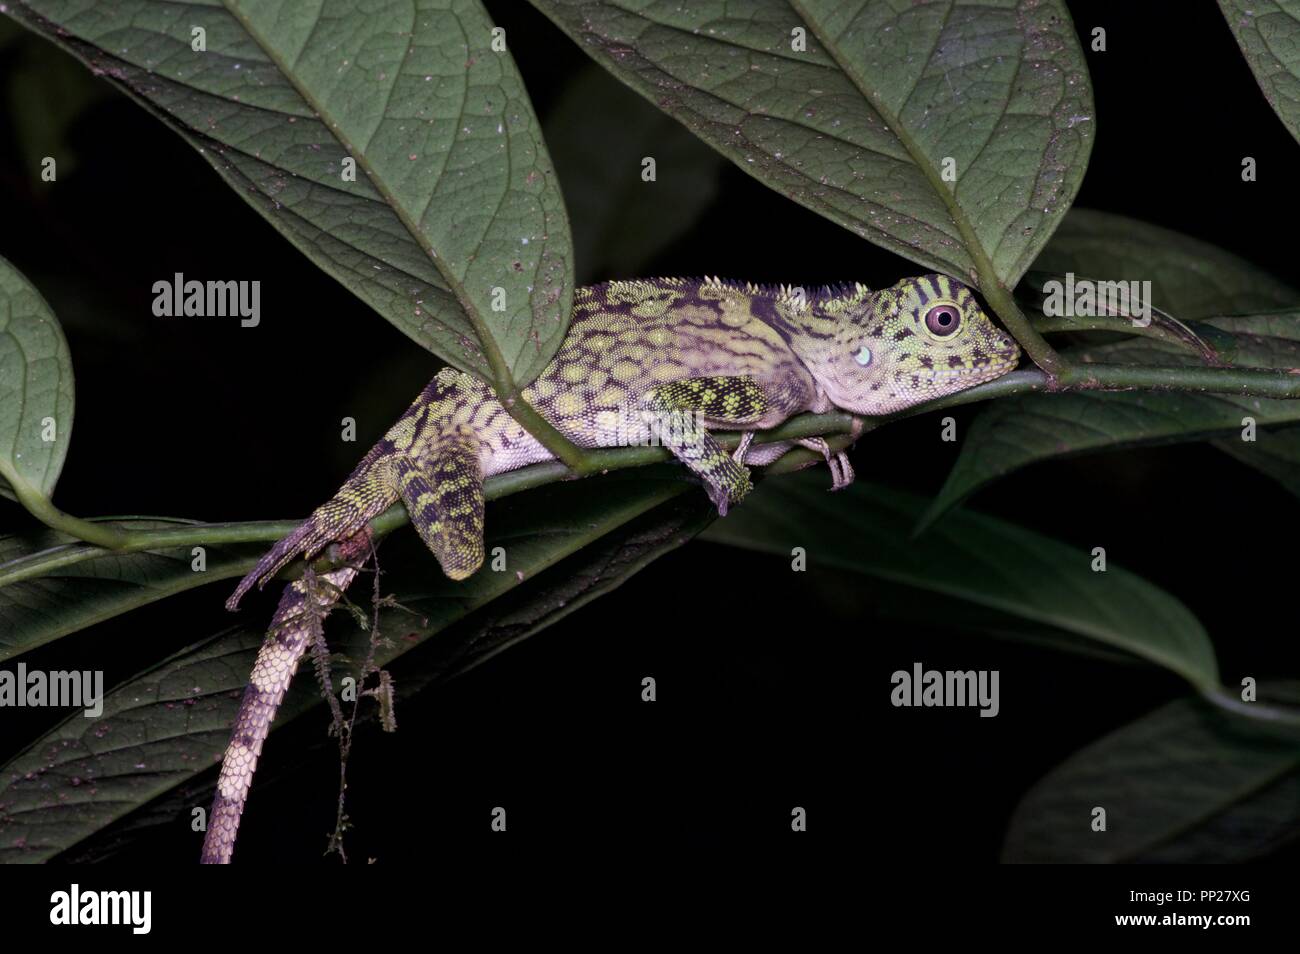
x: 773, y: 686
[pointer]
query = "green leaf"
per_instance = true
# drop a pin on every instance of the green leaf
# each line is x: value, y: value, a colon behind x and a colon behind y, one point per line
x: 976, y: 560
x: 1189, y: 278
x: 161, y: 729
x: 620, y: 222
x: 858, y: 126
x: 36, y: 398
x: 1268, y: 32
x: 1021, y: 430
x: 83, y: 584
x: 454, y: 195
x: 1184, y: 784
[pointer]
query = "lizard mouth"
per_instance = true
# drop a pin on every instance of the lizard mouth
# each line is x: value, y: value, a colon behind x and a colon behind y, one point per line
x: 983, y: 370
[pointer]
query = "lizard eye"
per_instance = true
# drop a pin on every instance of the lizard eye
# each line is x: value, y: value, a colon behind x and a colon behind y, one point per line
x: 863, y: 357
x: 943, y: 320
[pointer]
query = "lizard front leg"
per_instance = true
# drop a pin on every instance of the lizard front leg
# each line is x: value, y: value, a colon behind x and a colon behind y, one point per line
x: 728, y: 401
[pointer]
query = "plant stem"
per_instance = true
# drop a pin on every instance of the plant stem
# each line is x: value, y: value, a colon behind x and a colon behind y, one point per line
x: 43, y: 509
x: 263, y: 531
x: 1276, y: 383
x: 511, y: 398
x: 1004, y: 304
x: 1259, y: 382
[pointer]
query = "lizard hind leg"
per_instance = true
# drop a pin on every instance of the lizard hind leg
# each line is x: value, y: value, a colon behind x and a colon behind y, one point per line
x: 368, y: 491
x: 443, y: 493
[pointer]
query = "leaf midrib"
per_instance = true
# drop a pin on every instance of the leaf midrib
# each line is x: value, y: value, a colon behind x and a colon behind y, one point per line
x: 491, y: 351
x: 1099, y: 632
x: 983, y: 264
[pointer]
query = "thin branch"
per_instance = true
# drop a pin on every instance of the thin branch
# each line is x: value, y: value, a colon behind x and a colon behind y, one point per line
x: 1003, y: 303
x: 102, y: 536
x: 43, y: 509
x: 511, y: 398
x: 1276, y: 383
x: 42, y: 563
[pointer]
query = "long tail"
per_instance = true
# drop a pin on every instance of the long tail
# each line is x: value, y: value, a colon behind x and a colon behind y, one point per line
x: 277, y: 661
x: 370, y: 489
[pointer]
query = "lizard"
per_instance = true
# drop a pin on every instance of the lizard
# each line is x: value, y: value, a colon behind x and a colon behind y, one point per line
x: 667, y: 358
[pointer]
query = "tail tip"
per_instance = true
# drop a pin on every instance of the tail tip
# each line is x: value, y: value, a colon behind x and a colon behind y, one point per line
x: 246, y: 584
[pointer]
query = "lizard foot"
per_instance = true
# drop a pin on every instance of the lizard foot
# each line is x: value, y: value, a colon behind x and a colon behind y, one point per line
x: 838, y: 461
x: 732, y: 491
x: 844, y: 475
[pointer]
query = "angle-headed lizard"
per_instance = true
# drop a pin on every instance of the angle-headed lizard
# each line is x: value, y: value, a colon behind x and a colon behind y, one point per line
x: 664, y: 358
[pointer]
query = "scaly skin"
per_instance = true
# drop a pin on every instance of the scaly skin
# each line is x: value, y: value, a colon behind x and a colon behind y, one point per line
x: 668, y: 358
x: 277, y: 661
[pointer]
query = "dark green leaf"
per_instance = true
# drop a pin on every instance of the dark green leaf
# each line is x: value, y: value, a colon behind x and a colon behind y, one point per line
x: 36, y: 398
x: 620, y: 221
x: 1186, y: 783
x: 858, y: 125
x: 1268, y: 32
x: 83, y: 584
x: 976, y: 560
x: 1189, y: 278
x: 1274, y: 453
x: 45, y: 96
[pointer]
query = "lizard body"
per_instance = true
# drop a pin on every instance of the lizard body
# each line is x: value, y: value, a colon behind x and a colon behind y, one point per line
x: 669, y: 359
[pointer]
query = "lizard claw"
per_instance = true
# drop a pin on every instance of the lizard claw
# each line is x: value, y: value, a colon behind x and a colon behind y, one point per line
x: 743, y: 447
x: 724, y: 495
x: 841, y: 470
x: 720, y: 498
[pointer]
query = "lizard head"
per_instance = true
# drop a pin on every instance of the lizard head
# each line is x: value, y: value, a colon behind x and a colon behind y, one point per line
x: 919, y: 340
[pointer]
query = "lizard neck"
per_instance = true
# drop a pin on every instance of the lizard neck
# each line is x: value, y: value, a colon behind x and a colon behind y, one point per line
x: 813, y: 326
x: 800, y: 323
